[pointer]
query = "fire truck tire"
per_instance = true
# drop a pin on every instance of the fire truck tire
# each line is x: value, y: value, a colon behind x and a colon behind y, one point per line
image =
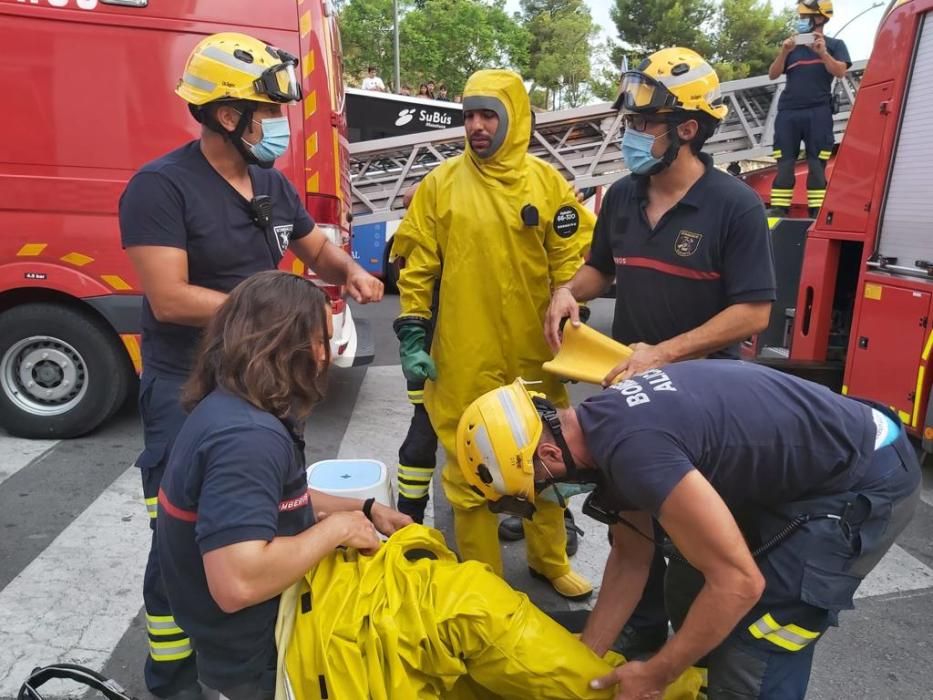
x: 62, y: 372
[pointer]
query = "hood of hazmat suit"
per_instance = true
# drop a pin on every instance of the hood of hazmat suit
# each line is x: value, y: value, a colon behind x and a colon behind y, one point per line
x: 412, y: 622
x: 499, y: 230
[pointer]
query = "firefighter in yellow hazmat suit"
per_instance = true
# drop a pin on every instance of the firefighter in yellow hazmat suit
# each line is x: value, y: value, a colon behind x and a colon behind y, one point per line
x: 500, y: 229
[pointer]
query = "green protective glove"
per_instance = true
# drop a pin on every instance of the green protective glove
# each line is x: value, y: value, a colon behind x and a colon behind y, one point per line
x: 417, y: 365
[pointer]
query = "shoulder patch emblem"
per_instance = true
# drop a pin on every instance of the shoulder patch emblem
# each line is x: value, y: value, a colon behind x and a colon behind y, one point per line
x: 687, y: 242
x: 283, y: 236
x: 566, y: 221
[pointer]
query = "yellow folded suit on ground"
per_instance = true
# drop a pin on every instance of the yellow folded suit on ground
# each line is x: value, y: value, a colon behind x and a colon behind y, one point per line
x: 411, y: 623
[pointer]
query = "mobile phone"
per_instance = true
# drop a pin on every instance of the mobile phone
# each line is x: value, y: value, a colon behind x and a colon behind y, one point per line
x: 804, y: 39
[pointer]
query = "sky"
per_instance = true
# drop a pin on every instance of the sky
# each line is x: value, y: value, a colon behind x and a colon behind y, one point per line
x: 858, y: 35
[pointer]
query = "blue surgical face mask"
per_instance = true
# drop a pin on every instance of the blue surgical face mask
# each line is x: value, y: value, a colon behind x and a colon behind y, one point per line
x: 636, y: 151
x: 274, y: 141
x: 804, y: 25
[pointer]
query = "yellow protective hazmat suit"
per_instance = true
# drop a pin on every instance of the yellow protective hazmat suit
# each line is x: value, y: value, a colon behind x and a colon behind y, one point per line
x: 410, y: 623
x: 465, y: 227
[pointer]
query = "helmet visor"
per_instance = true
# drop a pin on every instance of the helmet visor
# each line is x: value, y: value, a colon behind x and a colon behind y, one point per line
x: 280, y: 83
x: 642, y: 93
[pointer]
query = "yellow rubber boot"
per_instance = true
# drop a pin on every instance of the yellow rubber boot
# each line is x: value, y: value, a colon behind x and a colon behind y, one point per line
x: 546, y: 541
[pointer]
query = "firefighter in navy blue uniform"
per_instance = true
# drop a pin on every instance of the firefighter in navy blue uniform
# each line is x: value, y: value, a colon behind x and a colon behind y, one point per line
x: 235, y: 480
x: 805, y: 111
x: 687, y: 246
x: 194, y: 223
x: 781, y: 495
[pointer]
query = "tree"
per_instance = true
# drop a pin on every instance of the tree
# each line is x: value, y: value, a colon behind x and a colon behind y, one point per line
x: 559, y: 52
x: 447, y: 40
x: 366, y: 30
x: 644, y: 27
x: 747, y: 36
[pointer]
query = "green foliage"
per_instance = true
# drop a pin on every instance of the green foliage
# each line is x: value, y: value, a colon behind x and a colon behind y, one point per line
x: 739, y: 37
x: 559, y: 52
x: 440, y: 40
x: 367, y: 38
x: 747, y: 35
x: 449, y: 40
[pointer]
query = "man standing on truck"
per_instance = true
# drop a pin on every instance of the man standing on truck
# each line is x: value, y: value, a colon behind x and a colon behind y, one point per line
x: 194, y: 223
x: 498, y: 229
x: 687, y: 245
x: 805, y: 113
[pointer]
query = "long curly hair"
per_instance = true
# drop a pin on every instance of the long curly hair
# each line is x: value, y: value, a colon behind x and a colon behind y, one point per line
x: 260, y: 346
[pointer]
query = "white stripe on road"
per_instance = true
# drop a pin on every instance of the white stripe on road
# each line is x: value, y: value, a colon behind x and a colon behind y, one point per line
x: 379, y: 423
x: 75, y: 601
x: 17, y: 453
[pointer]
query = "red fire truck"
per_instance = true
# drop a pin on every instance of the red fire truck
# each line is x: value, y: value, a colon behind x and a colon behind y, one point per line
x: 862, y: 308
x: 88, y: 98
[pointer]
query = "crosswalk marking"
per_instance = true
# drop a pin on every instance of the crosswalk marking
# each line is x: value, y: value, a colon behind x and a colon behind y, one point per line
x: 16, y: 453
x: 75, y: 601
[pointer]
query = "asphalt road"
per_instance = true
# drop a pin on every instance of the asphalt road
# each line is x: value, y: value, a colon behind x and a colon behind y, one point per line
x: 75, y: 536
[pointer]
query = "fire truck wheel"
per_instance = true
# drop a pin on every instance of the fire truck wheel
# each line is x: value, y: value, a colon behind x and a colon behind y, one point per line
x: 62, y: 372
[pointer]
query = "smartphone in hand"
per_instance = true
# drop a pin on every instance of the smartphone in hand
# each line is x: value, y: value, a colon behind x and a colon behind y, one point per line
x: 805, y: 39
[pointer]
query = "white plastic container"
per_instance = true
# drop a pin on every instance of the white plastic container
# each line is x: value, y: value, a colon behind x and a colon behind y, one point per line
x: 352, y: 478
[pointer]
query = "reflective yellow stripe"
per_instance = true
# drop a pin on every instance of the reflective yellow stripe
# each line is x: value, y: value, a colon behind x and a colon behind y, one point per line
x: 773, y: 221
x: 791, y: 637
x: 162, y: 625
x: 77, y: 259
x: 904, y: 416
x: 412, y: 492
x: 777, y: 153
x: 824, y: 155
x: 416, y: 473
x: 31, y: 250
x: 416, y: 396
x: 170, y: 651
x: 845, y: 390
x: 152, y: 507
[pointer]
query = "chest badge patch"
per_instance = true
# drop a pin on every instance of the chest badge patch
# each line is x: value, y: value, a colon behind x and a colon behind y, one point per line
x: 283, y: 236
x: 686, y: 243
x: 566, y: 221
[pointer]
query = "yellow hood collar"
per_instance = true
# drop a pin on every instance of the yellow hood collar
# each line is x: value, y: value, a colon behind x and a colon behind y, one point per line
x: 504, y: 93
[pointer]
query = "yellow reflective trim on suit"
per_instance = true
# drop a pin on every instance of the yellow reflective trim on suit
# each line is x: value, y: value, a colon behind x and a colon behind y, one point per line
x: 31, y: 250
x: 416, y: 473
x: 776, y: 153
x: 773, y: 221
x: 791, y: 637
x: 412, y: 492
x: 825, y: 155
x: 152, y: 507
x: 162, y: 625
x: 170, y: 651
x: 416, y: 395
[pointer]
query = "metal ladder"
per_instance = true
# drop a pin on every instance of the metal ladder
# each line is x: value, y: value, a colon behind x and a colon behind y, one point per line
x: 582, y: 143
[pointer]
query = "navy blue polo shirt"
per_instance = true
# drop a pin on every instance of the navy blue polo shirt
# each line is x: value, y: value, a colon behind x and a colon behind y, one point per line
x: 809, y: 84
x: 180, y: 201
x: 759, y: 436
x: 235, y: 474
x: 709, y: 251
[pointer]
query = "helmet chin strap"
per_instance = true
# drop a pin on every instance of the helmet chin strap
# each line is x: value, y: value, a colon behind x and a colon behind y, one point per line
x: 548, y: 414
x: 236, y: 137
x: 670, y: 153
